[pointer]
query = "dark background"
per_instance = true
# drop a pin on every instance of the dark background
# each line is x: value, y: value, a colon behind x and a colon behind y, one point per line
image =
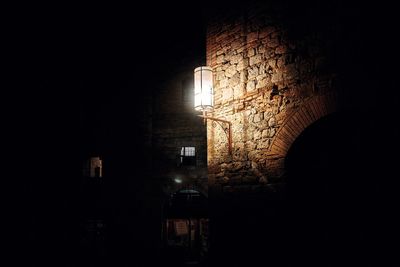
x: 74, y: 68
x: 81, y: 81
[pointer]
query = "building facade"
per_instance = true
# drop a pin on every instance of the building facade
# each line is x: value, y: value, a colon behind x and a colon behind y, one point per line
x: 178, y: 136
x: 298, y: 84
x: 270, y: 84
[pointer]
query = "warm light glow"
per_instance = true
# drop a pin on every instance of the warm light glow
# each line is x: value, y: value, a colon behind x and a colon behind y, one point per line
x: 203, y: 89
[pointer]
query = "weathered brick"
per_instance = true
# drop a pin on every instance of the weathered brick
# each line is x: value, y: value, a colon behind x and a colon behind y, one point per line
x: 281, y: 49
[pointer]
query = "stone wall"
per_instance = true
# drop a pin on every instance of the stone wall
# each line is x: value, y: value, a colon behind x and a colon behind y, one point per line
x: 271, y: 84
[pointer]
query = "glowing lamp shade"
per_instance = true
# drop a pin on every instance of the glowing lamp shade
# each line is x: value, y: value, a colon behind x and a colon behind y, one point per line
x: 203, y: 89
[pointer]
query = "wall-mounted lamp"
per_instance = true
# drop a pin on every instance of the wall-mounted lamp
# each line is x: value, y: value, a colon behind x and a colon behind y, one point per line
x: 204, y: 99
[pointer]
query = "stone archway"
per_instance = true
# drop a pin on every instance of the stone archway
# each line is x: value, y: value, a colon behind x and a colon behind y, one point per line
x: 325, y: 199
x: 313, y: 109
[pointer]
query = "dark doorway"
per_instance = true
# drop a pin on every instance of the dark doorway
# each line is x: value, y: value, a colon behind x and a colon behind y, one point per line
x: 334, y: 207
x: 185, y: 228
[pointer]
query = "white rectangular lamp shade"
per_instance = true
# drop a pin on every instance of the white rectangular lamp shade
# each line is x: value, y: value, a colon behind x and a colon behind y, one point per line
x: 203, y: 89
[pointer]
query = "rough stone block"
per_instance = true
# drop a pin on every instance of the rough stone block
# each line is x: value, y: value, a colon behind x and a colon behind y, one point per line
x: 251, y: 85
x: 262, y: 83
x: 242, y: 64
x: 252, y: 72
x: 220, y: 59
x: 230, y: 71
x: 255, y: 59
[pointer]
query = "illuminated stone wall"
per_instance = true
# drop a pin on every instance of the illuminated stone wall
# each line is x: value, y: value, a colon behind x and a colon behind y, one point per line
x: 271, y: 84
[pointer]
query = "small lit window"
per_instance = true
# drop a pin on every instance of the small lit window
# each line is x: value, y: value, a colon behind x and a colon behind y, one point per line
x: 93, y: 167
x: 188, y: 151
x: 188, y: 155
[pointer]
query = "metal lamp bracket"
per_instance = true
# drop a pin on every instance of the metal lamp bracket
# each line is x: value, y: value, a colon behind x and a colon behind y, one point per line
x: 225, y: 125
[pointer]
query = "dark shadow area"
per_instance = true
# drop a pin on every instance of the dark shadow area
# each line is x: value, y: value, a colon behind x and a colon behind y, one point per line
x: 341, y: 197
x: 185, y: 229
x: 246, y: 230
x: 337, y: 207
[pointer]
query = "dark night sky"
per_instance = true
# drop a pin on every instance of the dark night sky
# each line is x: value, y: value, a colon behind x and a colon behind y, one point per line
x: 74, y: 62
x: 106, y: 48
